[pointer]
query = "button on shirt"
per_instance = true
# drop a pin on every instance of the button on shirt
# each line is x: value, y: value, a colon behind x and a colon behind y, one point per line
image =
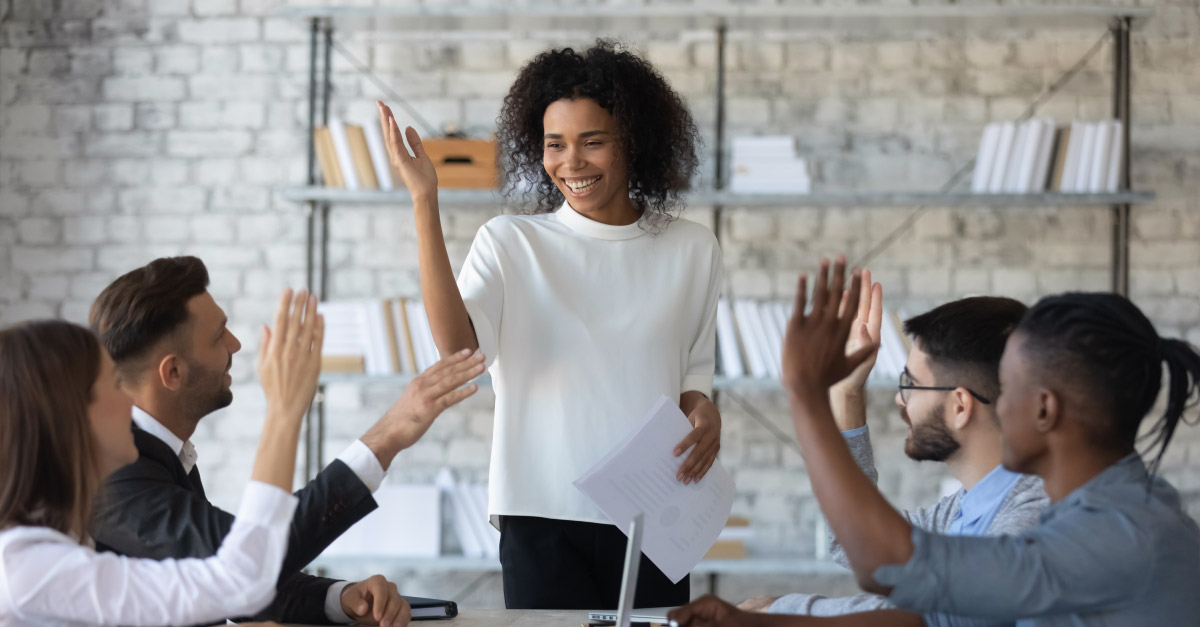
x: 358, y: 457
x: 978, y: 506
x: 1118, y: 551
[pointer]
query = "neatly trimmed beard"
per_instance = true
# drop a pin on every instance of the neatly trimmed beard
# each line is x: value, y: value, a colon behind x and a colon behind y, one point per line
x: 206, y: 390
x: 931, y: 441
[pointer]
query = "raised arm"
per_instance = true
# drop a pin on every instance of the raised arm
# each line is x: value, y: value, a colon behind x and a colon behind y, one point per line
x: 42, y: 567
x: 814, y: 359
x: 448, y: 319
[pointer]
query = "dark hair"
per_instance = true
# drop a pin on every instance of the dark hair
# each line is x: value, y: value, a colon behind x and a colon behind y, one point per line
x: 655, y: 129
x: 965, y: 339
x: 1110, y: 352
x: 143, y: 306
x: 48, y: 370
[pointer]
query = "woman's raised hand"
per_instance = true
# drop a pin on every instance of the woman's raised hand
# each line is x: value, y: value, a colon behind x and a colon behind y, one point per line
x: 289, y: 357
x: 416, y: 169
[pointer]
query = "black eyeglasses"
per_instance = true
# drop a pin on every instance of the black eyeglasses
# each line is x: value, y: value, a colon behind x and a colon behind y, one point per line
x: 906, y: 384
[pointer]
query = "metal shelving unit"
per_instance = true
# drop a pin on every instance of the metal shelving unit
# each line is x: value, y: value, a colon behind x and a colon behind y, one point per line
x: 700, y: 22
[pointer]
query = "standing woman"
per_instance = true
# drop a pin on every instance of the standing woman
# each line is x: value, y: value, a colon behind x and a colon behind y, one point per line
x: 588, y: 309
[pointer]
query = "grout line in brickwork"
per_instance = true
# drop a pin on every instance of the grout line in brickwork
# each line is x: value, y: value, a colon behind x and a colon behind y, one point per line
x: 961, y: 173
x: 361, y: 68
x: 761, y: 419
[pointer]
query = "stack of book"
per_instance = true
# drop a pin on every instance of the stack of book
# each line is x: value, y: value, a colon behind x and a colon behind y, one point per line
x: 469, y: 505
x: 750, y: 340
x: 354, y: 157
x: 377, y: 337
x: 768, y: 165
x: 1036, y: 156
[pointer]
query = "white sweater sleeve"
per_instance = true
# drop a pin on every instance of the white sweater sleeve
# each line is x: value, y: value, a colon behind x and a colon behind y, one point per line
x: 702, y: 358
x: 45, y: 576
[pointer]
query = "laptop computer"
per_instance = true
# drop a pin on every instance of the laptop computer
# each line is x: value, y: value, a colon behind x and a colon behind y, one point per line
x: 625, y: 614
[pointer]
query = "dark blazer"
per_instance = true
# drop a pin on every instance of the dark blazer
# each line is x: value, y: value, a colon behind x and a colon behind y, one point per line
x: 152, y: 508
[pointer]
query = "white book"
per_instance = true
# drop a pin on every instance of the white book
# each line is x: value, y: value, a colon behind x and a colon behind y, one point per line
x: 1016, y: 159
x: 379, y: 156
x: 774, y: 335
x: 472, y: 545
x: 766, y: 146
x: 762, y: 333
x: 1041, y: 167
x: 985, y: 158
x: 422, y: 337
x: 744, y: 312
x: 727, y: 342
x: 893, y: 343
x: 1004, y: 149
x: 404, y: 342
x: 378, y: 361
x: 341, y: 146
x: 1102, y: 149
x: 1087, y: 152
x: 1113, y: 182
x: 1071, y: 167
x: 1029, y: 156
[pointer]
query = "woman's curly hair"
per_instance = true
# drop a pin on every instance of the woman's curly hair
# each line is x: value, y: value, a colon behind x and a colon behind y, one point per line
x: 655, y: 130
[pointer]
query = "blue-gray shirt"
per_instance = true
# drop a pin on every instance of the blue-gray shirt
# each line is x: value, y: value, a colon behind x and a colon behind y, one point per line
x: 1110, y: 554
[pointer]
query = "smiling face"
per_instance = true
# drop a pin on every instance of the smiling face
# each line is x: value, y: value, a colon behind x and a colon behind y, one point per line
x: 581, y: 154
x: 109, y: 418
x: 929, y: 437
x: 1018, y: 408
x: 209, y: 356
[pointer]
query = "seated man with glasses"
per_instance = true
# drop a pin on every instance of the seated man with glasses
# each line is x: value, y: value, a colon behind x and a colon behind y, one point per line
x: 946, y: 396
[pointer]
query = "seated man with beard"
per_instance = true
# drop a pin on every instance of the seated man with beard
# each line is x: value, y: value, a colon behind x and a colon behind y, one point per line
x: 947, y: 397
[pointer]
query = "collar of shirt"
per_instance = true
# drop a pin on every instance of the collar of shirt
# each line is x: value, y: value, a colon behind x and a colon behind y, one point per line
x: 1104, y: 487
x: 586, y: 226
x: 978, y: 506
x: 184, y: 450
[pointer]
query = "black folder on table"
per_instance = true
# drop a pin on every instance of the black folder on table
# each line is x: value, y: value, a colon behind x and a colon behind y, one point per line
x: 431, y: 609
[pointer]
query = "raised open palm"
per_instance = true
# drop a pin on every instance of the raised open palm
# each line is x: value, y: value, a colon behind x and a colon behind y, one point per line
x: 865, y: 332
x: 416, y: 169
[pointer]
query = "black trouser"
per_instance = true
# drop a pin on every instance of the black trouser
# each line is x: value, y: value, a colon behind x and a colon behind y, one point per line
x: 566, y: 565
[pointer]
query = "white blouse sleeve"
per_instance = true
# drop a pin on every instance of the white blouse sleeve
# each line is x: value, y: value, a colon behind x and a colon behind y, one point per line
x: 45, y: 575
x: 702, y: 358
x: 481, y: 284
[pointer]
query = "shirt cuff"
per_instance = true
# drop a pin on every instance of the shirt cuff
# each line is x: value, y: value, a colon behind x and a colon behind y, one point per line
x: 333, y: 604
x: 363, y: 464
x: 701, y: 383
x: 853, y: 433
x: 266, y: 505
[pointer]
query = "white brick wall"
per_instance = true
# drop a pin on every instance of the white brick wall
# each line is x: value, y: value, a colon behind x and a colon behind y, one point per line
x: 130, y: 130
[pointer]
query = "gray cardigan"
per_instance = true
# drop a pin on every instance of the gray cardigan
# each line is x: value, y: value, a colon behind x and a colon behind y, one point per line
x: 1020, y: 511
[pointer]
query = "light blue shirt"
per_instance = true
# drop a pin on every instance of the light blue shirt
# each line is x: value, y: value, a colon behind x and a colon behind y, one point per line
x: 978, y: 506
x: 1118, y: 551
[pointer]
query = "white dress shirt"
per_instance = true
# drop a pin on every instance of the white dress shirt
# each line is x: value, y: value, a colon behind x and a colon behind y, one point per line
x: 49, y: 579
x: 358, y: 457
x: 584, y: 325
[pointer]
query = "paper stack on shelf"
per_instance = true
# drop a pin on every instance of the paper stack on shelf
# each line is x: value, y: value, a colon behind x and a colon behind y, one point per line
x: 469, y: 505
x: 750, y: 340
x: 768, y: 165
x: 377, y: 337
x: 1036, y: 156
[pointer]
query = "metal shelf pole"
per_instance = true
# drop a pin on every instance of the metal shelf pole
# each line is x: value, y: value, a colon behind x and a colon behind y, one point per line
x: 1121, y: 110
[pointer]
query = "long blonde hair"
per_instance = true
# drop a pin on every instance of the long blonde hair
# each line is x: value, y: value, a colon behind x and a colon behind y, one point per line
x: 48, y: 370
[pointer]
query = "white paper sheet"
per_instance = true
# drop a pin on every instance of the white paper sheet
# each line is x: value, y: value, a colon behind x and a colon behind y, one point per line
x: 638, y: 476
